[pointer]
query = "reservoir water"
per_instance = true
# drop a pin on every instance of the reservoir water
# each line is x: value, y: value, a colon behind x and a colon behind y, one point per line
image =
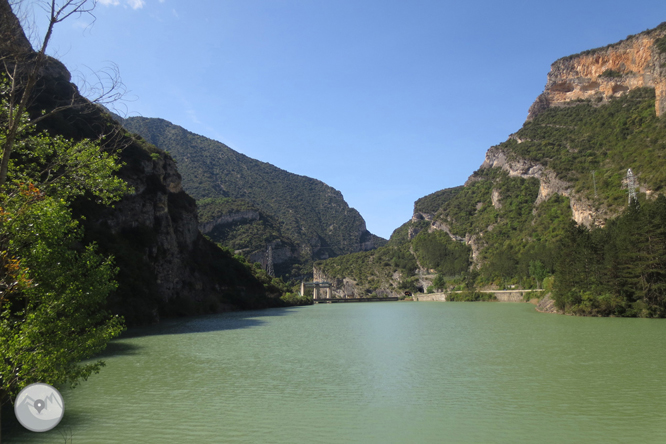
x: 391, y: 372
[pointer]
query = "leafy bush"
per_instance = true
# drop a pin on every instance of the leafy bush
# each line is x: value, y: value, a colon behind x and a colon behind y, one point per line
x: 612, y: 74
x: 470, y: 296
x: 296, y: 299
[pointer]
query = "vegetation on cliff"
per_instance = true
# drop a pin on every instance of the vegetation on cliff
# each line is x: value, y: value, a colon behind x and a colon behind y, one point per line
x: 618, y: 270
x: 576, y: 140
x: 309, y: 212
x: 53, y: 288
x: 518, y: 239
x: 246, y: 227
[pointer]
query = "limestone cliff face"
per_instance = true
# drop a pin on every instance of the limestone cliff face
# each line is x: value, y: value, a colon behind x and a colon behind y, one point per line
x: 604, y: 73
x: 549, y: 184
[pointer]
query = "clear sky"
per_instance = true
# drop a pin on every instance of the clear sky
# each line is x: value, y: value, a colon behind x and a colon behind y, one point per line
x: 385, y: 100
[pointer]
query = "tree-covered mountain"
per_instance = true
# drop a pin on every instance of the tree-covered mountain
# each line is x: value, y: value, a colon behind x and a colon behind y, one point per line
x: 601, y: 114
x: 305, y: 213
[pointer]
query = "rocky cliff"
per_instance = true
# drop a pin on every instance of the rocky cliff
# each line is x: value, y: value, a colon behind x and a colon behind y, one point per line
x: 600, y: 114
x: 582, y: 210
x: 166, y: 266
x: 603, y: 73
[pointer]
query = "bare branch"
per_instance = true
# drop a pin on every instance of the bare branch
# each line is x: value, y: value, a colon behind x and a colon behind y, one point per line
x: 105, y: 89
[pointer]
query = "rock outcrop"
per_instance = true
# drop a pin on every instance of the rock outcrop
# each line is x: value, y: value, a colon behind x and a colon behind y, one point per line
x: 549, y: 184
x: 603, y: 73
x: 547, y: 305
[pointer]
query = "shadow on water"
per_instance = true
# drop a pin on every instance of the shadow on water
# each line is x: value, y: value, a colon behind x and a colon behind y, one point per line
x: 192, y: 324
x: 208, y: 323
x: 118, y: 348
x: 12, y: 430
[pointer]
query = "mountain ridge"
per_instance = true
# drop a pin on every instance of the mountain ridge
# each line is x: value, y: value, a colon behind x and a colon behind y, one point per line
x: 310, y: 213
x: 601, y: 113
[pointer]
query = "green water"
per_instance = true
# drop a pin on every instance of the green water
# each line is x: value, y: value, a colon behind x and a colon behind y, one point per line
x: 391, y: 372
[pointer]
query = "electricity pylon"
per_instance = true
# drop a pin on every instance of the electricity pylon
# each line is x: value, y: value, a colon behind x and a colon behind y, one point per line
x: 631, y: 186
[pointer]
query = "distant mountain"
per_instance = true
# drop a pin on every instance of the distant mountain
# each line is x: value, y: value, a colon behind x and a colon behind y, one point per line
x: 244, y: 228
x: 602, y: 112
x: 306, y: 213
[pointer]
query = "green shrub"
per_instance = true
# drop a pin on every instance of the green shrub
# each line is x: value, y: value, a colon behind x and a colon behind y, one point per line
x: 470, y: 296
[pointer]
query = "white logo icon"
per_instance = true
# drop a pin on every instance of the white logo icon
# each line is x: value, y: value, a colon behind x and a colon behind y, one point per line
x: 39, y: 407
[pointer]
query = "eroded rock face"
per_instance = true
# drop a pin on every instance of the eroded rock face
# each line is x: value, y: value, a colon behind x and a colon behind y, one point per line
x: 549, y: 184
x: 607, y: 72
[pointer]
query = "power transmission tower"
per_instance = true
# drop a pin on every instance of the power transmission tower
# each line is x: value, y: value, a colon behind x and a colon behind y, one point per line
x: 269, y: 266
x: 631, y: 186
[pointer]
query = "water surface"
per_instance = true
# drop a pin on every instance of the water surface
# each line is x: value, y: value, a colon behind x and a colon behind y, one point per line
x: 390, y: 372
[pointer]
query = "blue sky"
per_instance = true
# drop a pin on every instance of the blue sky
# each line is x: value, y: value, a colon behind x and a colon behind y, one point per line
x: 387, y: 101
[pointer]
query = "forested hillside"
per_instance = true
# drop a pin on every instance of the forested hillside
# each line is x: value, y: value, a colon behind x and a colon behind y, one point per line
x: 511, y: 223
x: 310, y: 215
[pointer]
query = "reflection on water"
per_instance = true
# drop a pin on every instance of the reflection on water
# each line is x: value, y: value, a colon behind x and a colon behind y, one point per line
x: 378, y: 373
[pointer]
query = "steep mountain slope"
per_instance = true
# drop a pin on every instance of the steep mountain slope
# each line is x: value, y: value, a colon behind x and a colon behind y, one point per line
x: 166, y: 266
x: 244, y: 228
x: 310, y: 213
x: 600, y: 114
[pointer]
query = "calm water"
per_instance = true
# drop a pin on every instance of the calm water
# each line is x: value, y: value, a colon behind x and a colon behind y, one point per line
x: 425, y: 372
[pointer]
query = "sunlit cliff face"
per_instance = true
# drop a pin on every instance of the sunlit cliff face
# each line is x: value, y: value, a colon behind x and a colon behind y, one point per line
x: 605, y: 73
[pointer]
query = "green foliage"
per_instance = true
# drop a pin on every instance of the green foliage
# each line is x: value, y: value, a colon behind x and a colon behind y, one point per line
x: 400, y: 235
x: 576, y: 140
x: 246, y: 229
x: 661, y: 44
x: 470, y: 296
x: 538, y: 271
x: 518, y: 241
x: 432, y: 202
x: 296, y: 299
x: 440, y: 282
x: 53, y: 289
x: 408, y: 284
x: 610, y: 73
x: 55, y: 318
x: 436, y: 250
x: 213, y: 208
x: 618, y: 270
x: 372, y: 269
